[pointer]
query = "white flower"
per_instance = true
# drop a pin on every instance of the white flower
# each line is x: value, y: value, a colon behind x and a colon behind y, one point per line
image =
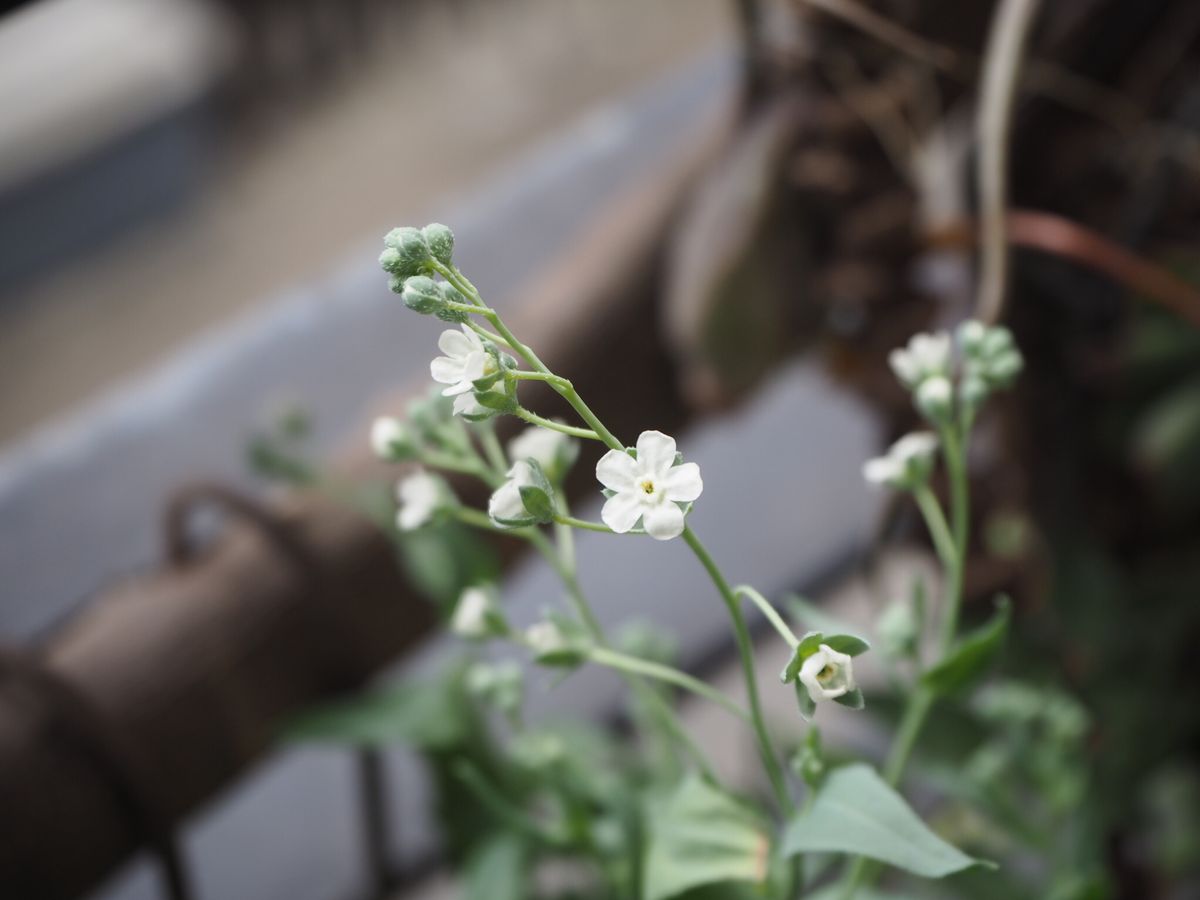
x: 935, y: 399
x: 472, y: 614
x: 827, y: 674
x: 925, y: 356
x: 388, y: 437
x: 506, y: 504
x: 420, y: 496
x: 907, y: 463
x: 539, y: 444
x: 466, y: 361
x: 466, y: 405
x: 546, y: 639
x: 648, y: 488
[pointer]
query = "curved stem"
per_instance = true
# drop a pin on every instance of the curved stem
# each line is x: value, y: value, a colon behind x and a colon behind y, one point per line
x: 492, y: 449
x: 668, y: 674
x: 935, y: 521
x: 746, y: 650
x: 534, y: 419
x: 452, y: 464
x: 572, y: 522
x: 771, y: 614
x: 542, y: 376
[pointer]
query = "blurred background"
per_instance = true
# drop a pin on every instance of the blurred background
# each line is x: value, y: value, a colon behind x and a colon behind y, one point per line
x: 750, y: 201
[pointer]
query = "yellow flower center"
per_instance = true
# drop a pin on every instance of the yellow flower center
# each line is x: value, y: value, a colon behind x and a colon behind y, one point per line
x: 648, y: 486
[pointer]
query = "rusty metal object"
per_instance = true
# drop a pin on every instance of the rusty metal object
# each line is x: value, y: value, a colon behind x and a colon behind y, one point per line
x: 187, y: 671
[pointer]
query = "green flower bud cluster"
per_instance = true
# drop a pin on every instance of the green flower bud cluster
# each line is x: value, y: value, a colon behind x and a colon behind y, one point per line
x: 411, y: 256
x: 989, y: 361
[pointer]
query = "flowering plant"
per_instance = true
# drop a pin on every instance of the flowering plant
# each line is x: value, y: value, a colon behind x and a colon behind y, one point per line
x: 657, y: 830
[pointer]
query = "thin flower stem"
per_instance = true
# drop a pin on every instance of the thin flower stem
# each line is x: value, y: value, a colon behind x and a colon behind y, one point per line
x: 492, y: 449
x: 534, y: 419
x: 464, y: 466
x: 921, y: 701
x: 557, y: 380
x: 746, y: 650
x: 935, y: 521
x: 563, y: 563
x: 563, y: 535
x: 468, y: 308
x: 668, y: 674
x: 572, y: 522
x: 771, y: 614
x: 487, y: 335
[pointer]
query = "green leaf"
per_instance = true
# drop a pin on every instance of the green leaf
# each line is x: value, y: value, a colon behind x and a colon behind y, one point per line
x: 853, y: 699
x: 856, y: 812
x: 496, y: 870
x: 701, y: 836
x: 972, y: 655
x: 847, y: 643
x: 537, y: 503
x: 419, y: 713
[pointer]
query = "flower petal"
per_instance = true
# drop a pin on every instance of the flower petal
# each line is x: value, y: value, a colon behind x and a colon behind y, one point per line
x: 664, y: 521
x: 683, y: 483
x: 455, y: 343
x: 656, y: 452
x: 621, y: 511
x: 475, y: 366
x: 506, y: 503
x: 616, y: 470
x: 445, y: 370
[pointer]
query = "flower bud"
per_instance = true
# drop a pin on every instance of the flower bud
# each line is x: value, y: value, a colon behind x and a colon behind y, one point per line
x: 440, y: 241
x: 410, y: 254
x: 552, y: 647
x: 973, y: 391
x: 476, y: 617
x: 451, y: 294
x: 421, y: 294
x: 935, y: 399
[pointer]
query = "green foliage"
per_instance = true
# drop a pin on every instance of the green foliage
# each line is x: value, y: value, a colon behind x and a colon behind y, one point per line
x: 970, y: 657
x: 496, y: 870
x: 701, y: 836
x: 856, y: 812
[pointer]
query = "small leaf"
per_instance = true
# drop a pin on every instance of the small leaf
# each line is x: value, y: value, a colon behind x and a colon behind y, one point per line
x: 537, y: 503
x: 847, y: 643
x: 701, y: 836
x: 808, y: 706
x: 856, y: 812
x: 809, y: 644
x: 853, y: 699
x: 496, y: 400
x: 972, y: 655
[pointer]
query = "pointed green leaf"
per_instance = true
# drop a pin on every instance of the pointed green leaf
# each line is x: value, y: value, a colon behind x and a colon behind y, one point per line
x: 701, y: 836
x: 972, y: 655
x: 856, y: 812
x: 847, y: 643
x: 853, y: 699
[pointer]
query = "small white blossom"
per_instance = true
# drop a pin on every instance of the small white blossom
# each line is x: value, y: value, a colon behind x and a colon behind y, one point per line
x: 465, y: 362
x: 827, y: 674
x: 907, y: 463
x: 465, y: 404
x: 925, y: 356
x: 472, y: 615
x: 546, y: 639
x: 648, y: 488
x: 420, y: 496
x: 539, y: 444
x: 388, y: 436
x: 935, y: 399
x: 506, y: 504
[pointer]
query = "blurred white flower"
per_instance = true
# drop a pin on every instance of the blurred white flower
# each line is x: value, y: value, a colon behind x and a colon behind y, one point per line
x: 649, y: 488
x: 506, y: 505
x: 466, y: 361
x: 827, y: 674
x: 475, y: 616
x: 541, y: 445
x: 907, y: 463
x: 389, y: 438
x: 935, y: 399
x: 420, y: 495
x: 925, y: 356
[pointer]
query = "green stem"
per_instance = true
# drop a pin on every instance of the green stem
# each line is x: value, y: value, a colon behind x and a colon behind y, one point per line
x: 572, y: 522
x: 487, y: 335
x: 492, y: 449
x: 451, y: 464
x: 503, y: 808
x: 769, y: 612
x: 935, y: 521
x: 746, y: 650
x: 534, y: 419
x: 556, y: 380
x: 668, y: 674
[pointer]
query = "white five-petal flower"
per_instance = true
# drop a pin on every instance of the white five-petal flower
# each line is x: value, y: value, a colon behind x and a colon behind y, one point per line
x: 506, y: 504
x: 648, y: 488
x: 539, y: 444
x: 466, y: 361
x: 907, y: 463
x: 925, y: 356
x: 420, y: 496
x: 470, y: 619
x: 827, y: 674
